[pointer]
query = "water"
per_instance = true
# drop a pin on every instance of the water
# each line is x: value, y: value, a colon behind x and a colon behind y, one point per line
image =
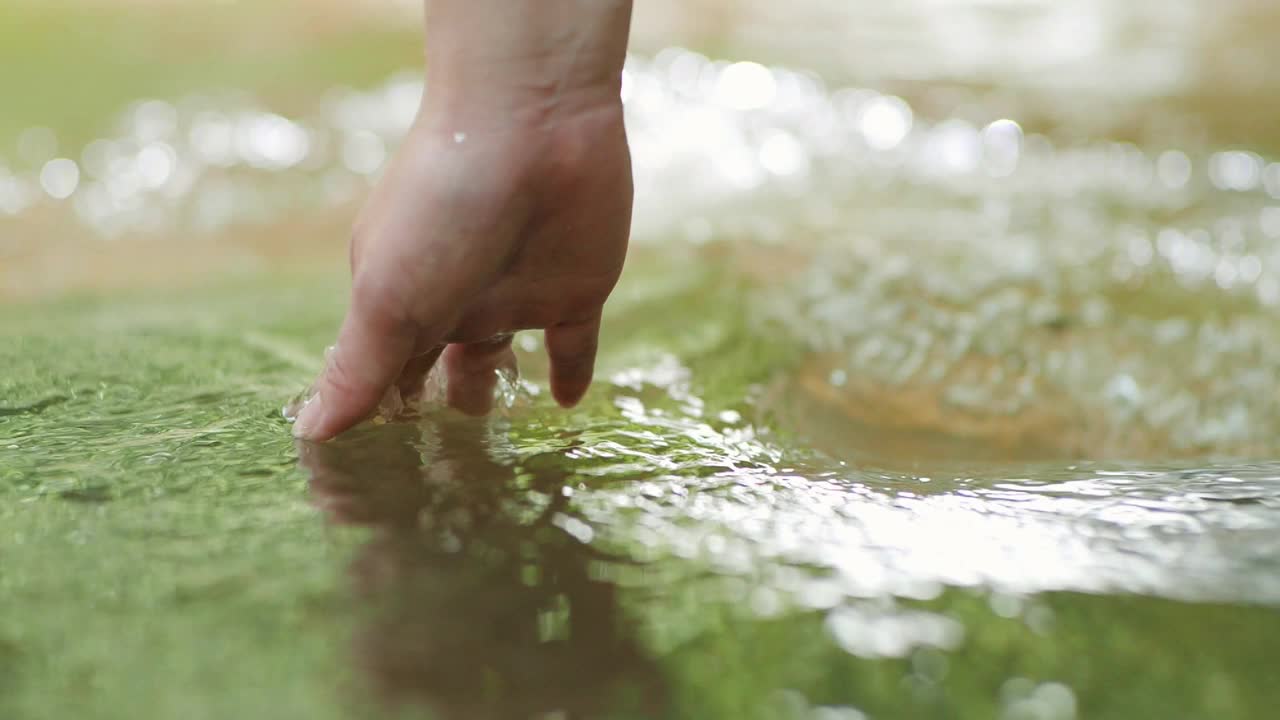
x: 899, y: 415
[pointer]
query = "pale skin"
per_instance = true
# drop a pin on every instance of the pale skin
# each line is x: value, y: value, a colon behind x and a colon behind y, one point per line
x: 507, y: 208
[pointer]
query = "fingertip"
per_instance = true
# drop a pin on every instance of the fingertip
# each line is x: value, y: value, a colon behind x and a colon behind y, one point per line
x: 570, y: 380
x: 568, y: 398
x: 308, y: 424
x: 366, y: 362
x: 572, y: 351
x: 472, y: 373
x: 321, y: 420
x: 334, y: 409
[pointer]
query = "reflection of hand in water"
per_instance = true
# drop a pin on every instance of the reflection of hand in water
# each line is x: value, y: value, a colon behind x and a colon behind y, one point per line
x: 483, y: 608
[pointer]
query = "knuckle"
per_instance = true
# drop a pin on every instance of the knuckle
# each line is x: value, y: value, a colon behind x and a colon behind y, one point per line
x: 379, y: 305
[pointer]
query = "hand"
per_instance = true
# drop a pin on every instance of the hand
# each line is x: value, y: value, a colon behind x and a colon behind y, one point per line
x: 478, y: 230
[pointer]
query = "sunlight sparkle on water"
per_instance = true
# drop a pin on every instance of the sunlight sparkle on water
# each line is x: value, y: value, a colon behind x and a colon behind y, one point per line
x: 60, y: 177
x: 885, y: 121
x: 746, y: 86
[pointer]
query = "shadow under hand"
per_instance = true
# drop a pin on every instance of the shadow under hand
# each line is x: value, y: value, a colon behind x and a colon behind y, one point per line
x: 482, y: 606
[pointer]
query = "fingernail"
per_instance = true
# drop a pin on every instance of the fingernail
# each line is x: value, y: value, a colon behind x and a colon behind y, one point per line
x: 308, y: 418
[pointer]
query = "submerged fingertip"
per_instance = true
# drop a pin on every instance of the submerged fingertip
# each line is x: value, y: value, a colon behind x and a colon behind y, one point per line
x: 307, y: 424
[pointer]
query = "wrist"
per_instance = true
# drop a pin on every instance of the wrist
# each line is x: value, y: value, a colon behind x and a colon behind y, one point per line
x: 498, y: 63
x: 466, y: 109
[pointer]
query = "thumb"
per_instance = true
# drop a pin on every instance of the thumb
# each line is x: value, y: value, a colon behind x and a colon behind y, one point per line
x: 376, y: 340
